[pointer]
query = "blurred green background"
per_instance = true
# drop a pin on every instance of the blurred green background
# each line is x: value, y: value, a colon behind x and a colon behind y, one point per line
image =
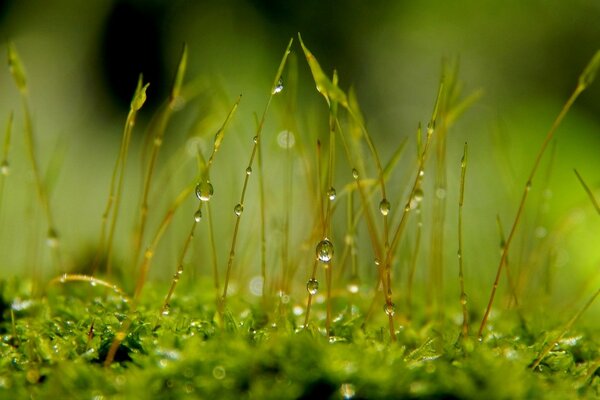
x: 83, y: 58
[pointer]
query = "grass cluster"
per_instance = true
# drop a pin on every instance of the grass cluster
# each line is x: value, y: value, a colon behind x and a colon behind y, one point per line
x: 281, y: 306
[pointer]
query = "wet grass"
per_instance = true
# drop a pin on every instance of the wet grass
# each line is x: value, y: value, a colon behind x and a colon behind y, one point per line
x: 272, y: 330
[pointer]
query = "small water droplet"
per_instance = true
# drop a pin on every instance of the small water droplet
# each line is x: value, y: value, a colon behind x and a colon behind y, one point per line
x: 63, y: 278
x: 279, y: 87
x: 418, y: 196
x: 421, y: 173
x: 389, y: 308
x: 166, y: 310
x: 440, y: 193
x: 463, y: 299
x: 255, y: 139
x: 198, y: 216
x: 52, y: 238
x: 377, y: 262
x: 331, y: 193
x: 384, y: 207
x: 93, y: 283
x: 219, y: 372
x: 5, y: 168
x: 459, y: 254
x: 312, y: 286
x: 238, y: 209
x: 158, y: 141
x: 528, y: 186
x: 354, y: 173
x: 325, y: 251
x: 248, y: 170
x: 204, y: 191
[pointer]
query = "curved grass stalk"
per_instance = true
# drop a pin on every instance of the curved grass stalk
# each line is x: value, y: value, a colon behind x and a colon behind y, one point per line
x: 585, y: 79
x: 275, y: 88
x: 18, y: 72
x: 65, y: 278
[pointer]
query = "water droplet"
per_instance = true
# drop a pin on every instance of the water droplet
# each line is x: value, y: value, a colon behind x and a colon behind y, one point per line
x: 312, y: 286
x: 418, y: 195
x: 331, y: 193
x: 440, y: 193
x: 238, y: 209
x: 93, y: 283
x: 63, y: 278
x: 286, y: 139
x: 279, y: 87
x: 204, y: 191
x: 463, y: 299
x: 52, y: 238
x: 158, y: 141
x: 377, y: 262
x: 166, y: 309
x: 325, y: 251
x: 353, y: 285
x: 198, y: 215
x: 5, y: 168
x: 389, y: 308
x: 248, y: 170
x: 421, y: 173
x: 384, y: 207
x: 459, y: 254
x: 255, y: 139
x: 528, y: 186
x: 354, y: 173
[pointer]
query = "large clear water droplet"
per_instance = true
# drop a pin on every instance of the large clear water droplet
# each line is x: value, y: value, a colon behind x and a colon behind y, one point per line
x: 312, y: 286
x: 384, y: 207
x: 248, y: 170
x: 418, y: 196
x: 204, y: 191
x: 331, y: 193
x: 325, y: 251
x: 238, y: 209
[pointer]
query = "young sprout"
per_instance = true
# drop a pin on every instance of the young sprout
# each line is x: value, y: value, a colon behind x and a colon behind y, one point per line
x: 585, y: 79
x: 116, y: 182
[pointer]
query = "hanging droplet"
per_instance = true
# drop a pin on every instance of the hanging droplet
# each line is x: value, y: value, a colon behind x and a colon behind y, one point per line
x: 238, y: 209
x: 204, y: 191
x: 279, y: 87
x: 463, y: 299
x: 384, y: 207
x: 248, y: 170
x: 389, y: 308
x: 421, y: 173
x: 255, y: 139
x: 418, y: 195
x: 331, y: 193
x: 5, y: 168
x: 198, y: 215
x: 354, y: 173
x: 312, y: 286
x: 166, y: 309
x: 377, y: 262
x: 52, y: 238
x: 325, y: 251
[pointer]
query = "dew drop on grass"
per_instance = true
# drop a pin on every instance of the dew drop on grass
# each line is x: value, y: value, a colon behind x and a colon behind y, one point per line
x: 418, y: 196
x: 384, y: 207
x: 279, y: 87
x: 463, y: 299
x: 389, y: 308
x: 248, y: 170
x: 347, y: 390
x: 204, y: 191
x: 331, y: 193
x: 255, y: 139
x: 5, y: 168
x: 312, y: 286
x: 354, y: 173
x: 52, y: 238
x: 166, y: 309
x: 238, y: 209
x: 324, y: 251
x: 198, y: 216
